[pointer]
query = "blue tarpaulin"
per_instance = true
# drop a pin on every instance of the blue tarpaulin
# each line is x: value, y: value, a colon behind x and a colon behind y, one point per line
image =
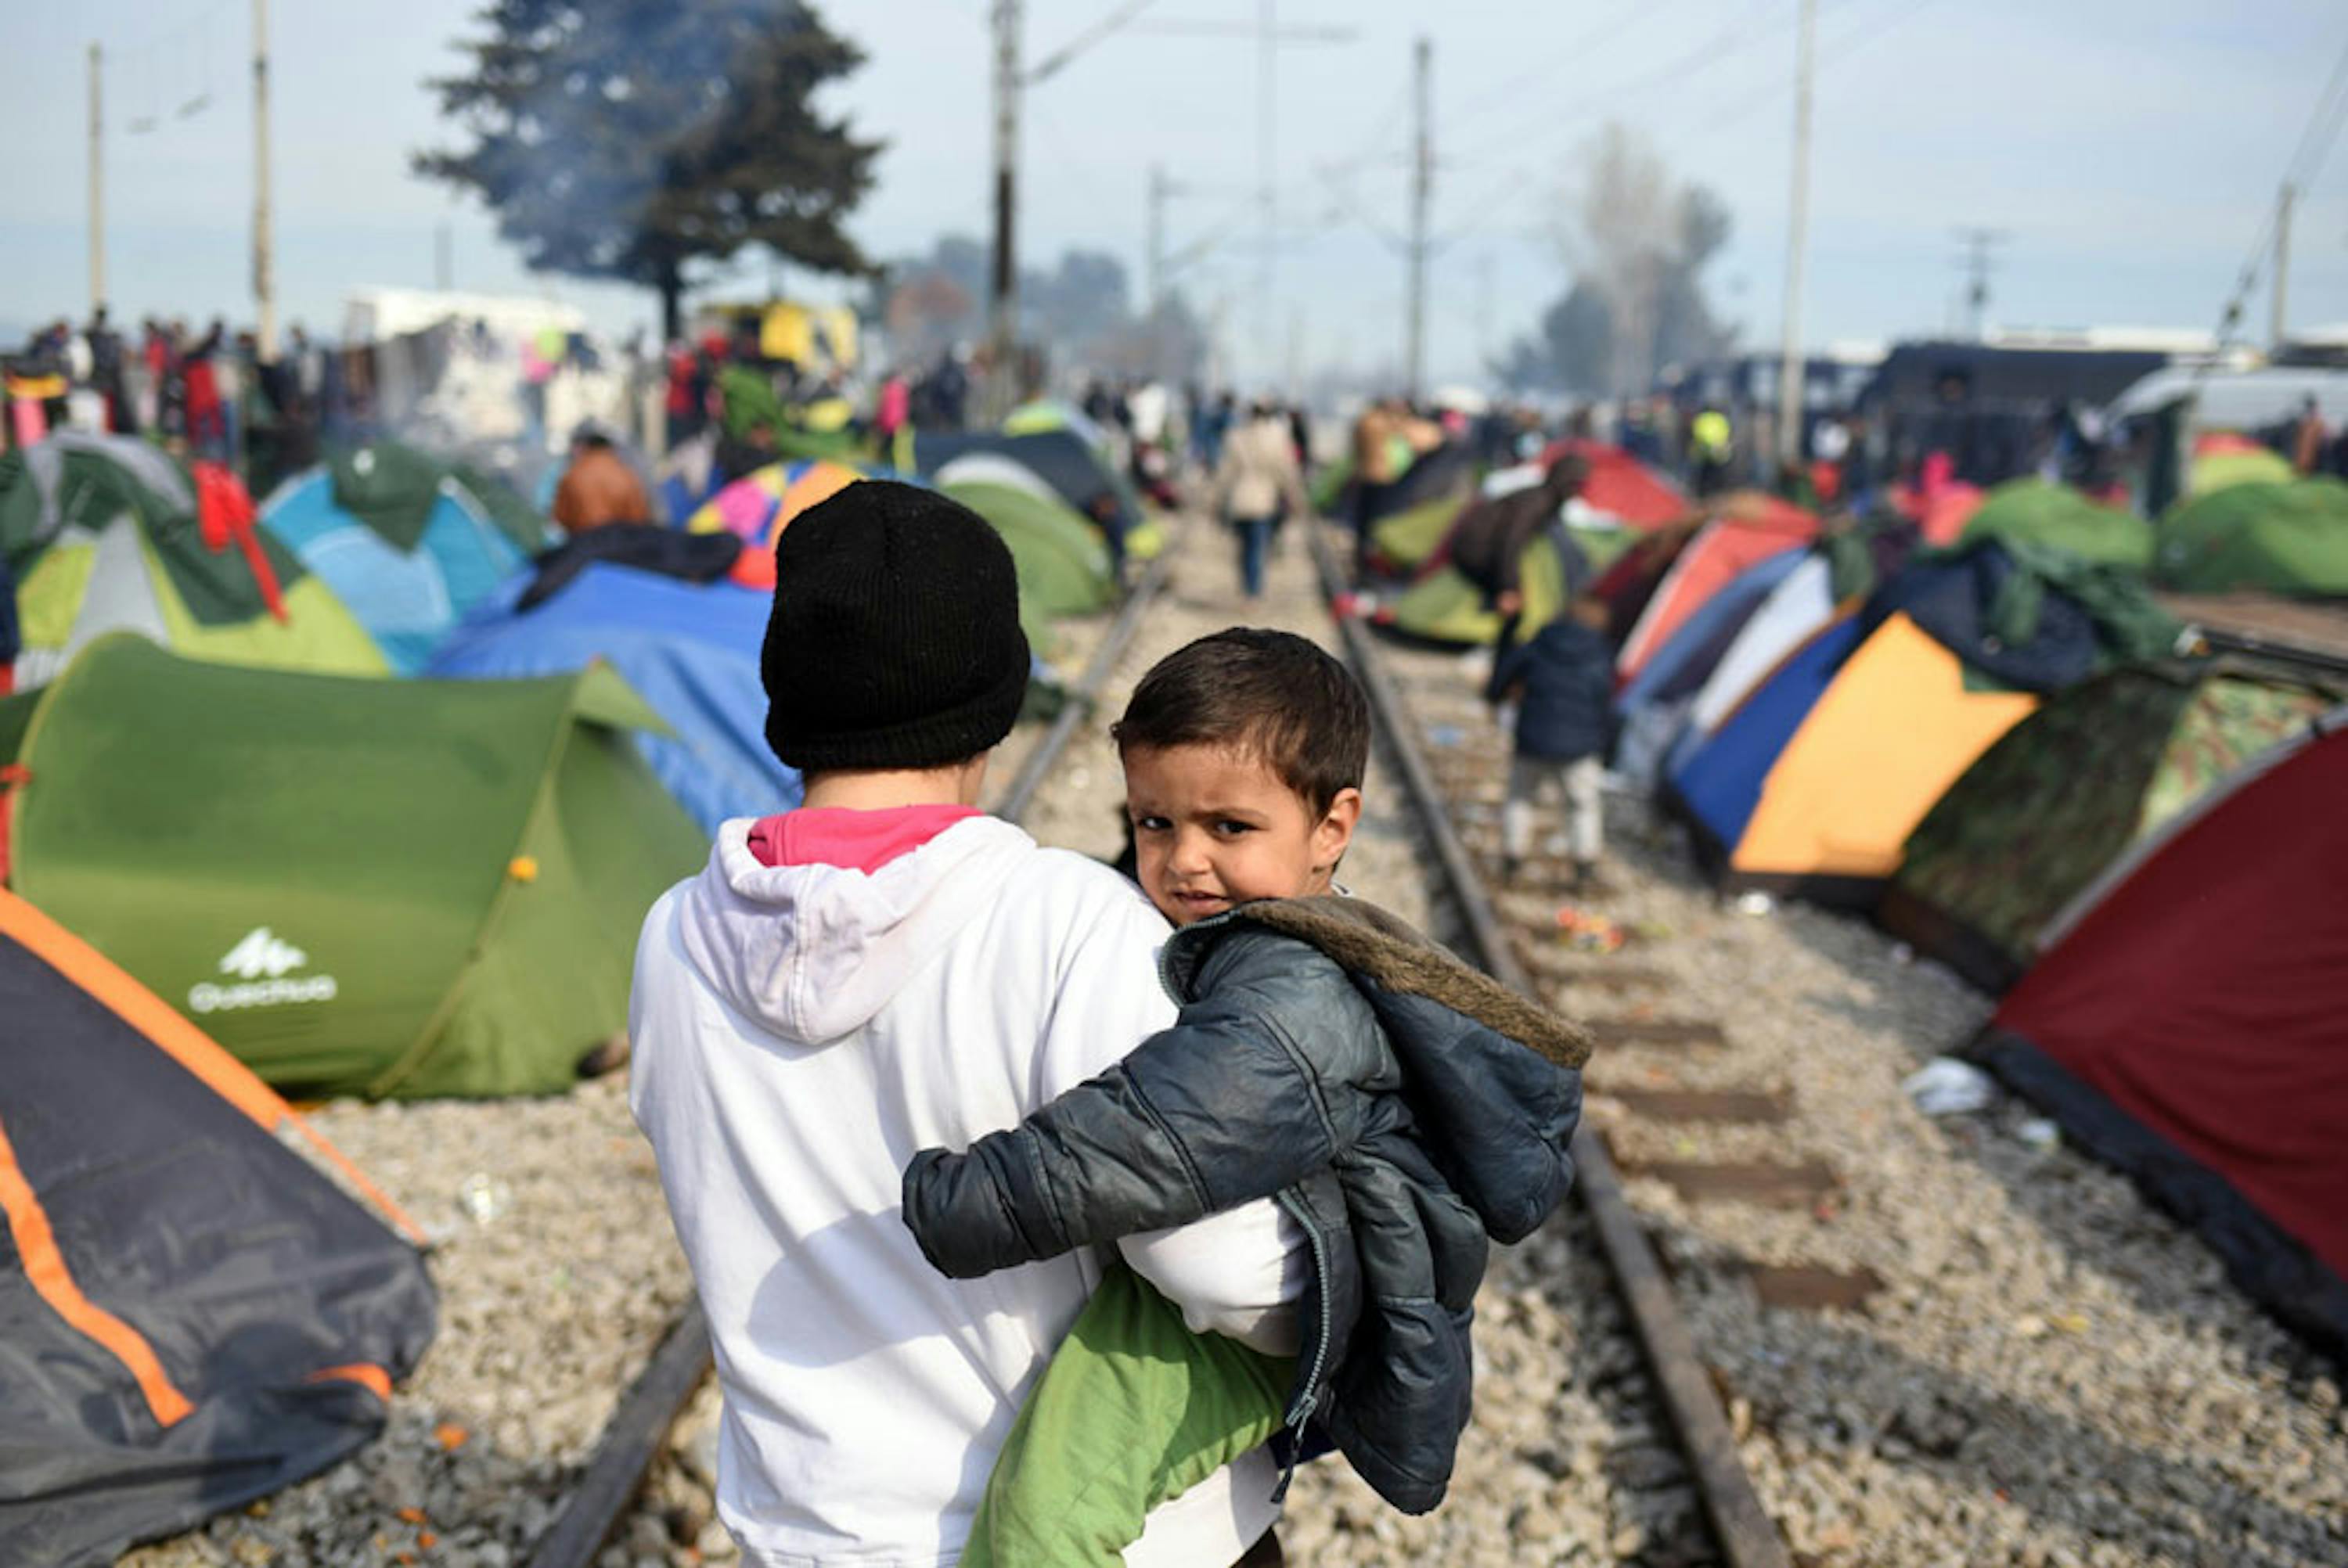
x: 690, y: 650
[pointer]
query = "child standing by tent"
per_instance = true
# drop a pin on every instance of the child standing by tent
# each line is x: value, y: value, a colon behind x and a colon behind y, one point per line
x: 882, y: 969
x: 1401, y: 1106
x: 1563, y: 685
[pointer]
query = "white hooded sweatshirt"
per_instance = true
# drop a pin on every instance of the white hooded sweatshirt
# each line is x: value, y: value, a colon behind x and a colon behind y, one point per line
x: 800, y: 1032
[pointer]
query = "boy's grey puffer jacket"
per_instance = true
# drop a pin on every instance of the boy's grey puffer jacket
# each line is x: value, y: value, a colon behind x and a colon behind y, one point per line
x: 1401, y: 1105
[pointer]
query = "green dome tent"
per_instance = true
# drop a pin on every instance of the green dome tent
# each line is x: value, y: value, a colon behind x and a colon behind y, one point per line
x: 393, y: 488
x: 2279, y: 539
x: 409, y: 889
x: 2242, y: 464
x: 1409, y: 539
x: 2062, y: 519
x: 103, y: 535
x: 2063, y: 794
x: 1329, y: 485
x: 1062, y: 563
x: 1444, y: 607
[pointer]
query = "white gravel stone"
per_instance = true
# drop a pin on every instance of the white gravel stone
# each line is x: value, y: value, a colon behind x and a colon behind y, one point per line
x: 2055, y: 1372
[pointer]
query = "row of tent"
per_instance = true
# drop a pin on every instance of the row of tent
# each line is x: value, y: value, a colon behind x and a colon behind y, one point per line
x: 409, y: 886
x: 238, y: 859
x: 366, y: 564
x: 1985, y: 724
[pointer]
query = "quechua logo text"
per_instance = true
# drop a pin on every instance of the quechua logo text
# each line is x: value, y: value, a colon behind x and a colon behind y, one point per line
x: 260, y: 970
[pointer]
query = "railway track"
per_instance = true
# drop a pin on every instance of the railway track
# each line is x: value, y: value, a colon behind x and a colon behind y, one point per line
x: 1934, y: 1340
x: 1740, y: 1527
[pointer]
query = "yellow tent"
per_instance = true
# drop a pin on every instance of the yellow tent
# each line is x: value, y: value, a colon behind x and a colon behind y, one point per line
x: 1885, y: 741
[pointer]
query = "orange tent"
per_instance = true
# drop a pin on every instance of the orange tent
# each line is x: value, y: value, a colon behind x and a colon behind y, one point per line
x: 1886, y: 740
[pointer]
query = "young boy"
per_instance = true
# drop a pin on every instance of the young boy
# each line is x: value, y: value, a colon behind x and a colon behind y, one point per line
x: 883, y: 970
x: 1400, y: 1106
x: 1562, y: 682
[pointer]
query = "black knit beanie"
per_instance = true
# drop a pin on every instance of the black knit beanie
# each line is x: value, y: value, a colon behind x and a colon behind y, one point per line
x: 894, y: 642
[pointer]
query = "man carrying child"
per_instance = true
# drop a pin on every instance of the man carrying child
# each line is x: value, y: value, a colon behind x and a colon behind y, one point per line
x: 884, y: 969
x: 886, y: 981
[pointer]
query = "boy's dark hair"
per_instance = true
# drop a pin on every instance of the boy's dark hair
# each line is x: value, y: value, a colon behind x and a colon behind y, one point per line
x: 1268, y: 693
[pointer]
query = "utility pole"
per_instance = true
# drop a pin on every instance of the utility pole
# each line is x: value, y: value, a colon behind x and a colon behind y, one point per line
x: 1003, y: 299
x: 2280, y: 302
x: 96, y: 184
x: 1791, y: 377
x: 1267, y: 52
x: 1154, y: 265
x: 1153, y: 260
x: 1422, y: 190
x: 1483, y: 308
x: 1978, y: 265
x: 264, y: 283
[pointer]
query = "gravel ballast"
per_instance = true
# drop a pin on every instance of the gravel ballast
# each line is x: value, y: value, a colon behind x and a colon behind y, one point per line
x: 2052, y: 1373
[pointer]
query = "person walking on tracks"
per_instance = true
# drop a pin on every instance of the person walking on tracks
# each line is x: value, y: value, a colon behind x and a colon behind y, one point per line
x: 1257, y: 479
x: 884, y: 969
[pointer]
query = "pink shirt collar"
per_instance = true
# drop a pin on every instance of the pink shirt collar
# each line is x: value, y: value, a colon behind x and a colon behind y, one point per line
x: 852, y: 840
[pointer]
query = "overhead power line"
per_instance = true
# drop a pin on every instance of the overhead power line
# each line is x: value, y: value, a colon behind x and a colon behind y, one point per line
x: 1829, y: 53
x: 2307, y: 159
x: 1709, y: 52
x: 1770, y: 94
x: 1120, y: 17
x: 1487, y: 97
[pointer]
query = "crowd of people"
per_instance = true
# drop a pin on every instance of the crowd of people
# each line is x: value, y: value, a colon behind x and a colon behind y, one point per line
x: 198, y: 392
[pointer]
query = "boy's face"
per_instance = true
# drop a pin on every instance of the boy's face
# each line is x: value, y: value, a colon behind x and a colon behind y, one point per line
x: 1213, y: 827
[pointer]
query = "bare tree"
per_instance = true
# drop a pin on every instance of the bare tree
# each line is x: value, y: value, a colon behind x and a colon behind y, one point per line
x: 1615, y: 232
x: 1635, y: 241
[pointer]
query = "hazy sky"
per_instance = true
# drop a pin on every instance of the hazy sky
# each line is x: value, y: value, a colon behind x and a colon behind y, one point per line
x: 2130, y: 149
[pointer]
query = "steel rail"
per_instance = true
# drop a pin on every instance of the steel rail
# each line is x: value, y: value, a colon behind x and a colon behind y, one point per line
x: 1741, y: 1527
x: 1020, y: 796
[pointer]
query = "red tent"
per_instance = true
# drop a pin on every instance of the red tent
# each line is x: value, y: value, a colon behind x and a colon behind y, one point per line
x: 1621, y: 485
x: 1745, y: 536
x: 2190, y: 1026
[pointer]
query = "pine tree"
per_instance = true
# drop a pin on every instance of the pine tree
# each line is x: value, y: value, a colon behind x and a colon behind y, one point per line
x: 624, y: 139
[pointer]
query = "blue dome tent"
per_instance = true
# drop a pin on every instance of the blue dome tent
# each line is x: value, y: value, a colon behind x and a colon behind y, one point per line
x: 691, y: 652
x: 408, y: 571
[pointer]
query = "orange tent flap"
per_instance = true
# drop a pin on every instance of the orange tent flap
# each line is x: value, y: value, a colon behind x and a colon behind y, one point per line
x: 45, y: 1266
x: 1885, y: 741
x: 819, y: 481
x: 366, y: 1374
x: 186, y: 1044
